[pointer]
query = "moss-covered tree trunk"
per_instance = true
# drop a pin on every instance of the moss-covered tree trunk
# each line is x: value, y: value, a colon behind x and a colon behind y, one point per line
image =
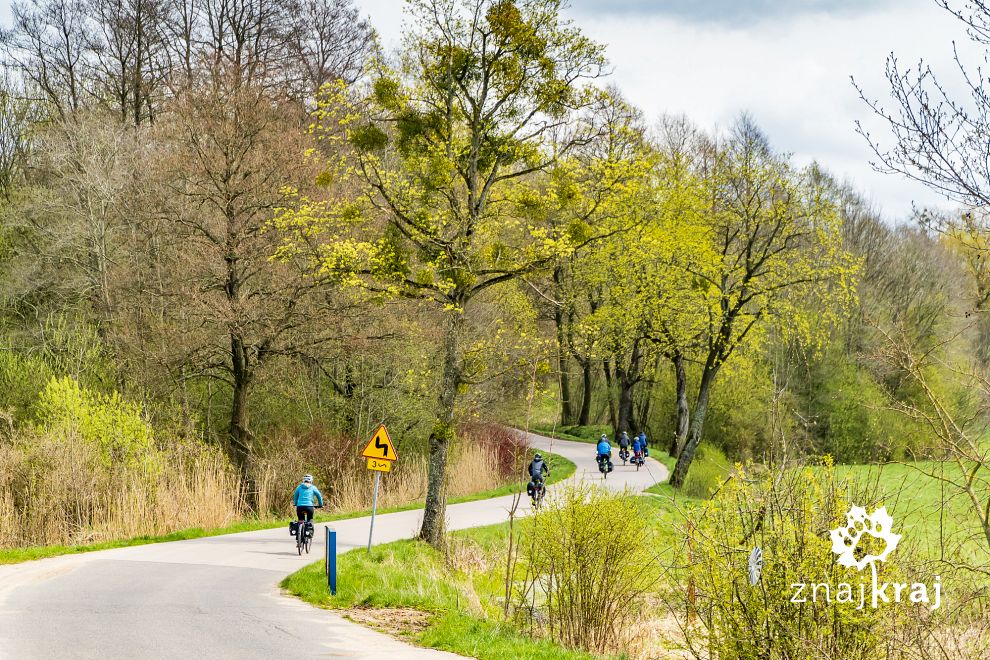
x: 434, y: 526
x: 697, y: 426
x: 584, y: 418
x: 683, y: 410
x: 566, y: 404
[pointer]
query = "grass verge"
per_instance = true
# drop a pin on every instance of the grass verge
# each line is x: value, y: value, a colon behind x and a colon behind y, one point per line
x: 560, y: 468
x: 458, y: 595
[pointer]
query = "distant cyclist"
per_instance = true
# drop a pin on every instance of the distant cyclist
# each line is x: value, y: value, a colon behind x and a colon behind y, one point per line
x: 538, y: 471
x: 604, y: 457
x: 643, y: 443
x: 604, y: 448
x: 306, y: 498
x: 637, y: 448
x: 623, y: 440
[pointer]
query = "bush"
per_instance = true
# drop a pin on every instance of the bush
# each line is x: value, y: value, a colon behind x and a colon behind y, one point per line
x: 108, y: 422
x: 739, y: 409
x: 855, y: 423
x: 788, y: 516
x: 587, y: 562
x: 22, y: 378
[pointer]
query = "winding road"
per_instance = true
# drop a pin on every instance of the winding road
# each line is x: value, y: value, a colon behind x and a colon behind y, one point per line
x: 218, y: 597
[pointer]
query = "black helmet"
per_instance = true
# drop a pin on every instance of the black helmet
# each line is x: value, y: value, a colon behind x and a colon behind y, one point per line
x: 538, y: 457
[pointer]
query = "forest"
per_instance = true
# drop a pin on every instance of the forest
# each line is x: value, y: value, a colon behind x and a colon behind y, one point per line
x: 236, y: 236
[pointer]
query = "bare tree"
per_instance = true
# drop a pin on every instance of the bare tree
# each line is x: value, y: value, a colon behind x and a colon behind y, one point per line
x: 939, y: 139
x: 48, y: 45
x: 230, y: 151
x: 330, y: 42
x: 72, y: 221
x: 129, y: 55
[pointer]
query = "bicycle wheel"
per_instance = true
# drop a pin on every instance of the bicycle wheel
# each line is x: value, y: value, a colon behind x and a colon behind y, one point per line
x: 299, y: 545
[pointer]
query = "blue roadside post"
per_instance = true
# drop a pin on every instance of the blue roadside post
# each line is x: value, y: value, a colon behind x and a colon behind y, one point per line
x: 331, y: 560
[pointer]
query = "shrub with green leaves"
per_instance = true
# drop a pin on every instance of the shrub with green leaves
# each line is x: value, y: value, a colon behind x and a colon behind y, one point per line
x: 587, y: 561
x: 22, y: 378
x: 110, y: 423
x: 787, y: 515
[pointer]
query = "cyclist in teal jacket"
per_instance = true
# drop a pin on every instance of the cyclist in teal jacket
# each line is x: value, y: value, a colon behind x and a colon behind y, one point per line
x: 305, y: 497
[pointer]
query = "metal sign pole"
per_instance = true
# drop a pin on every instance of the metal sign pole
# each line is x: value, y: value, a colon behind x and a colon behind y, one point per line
x: 374, y: 507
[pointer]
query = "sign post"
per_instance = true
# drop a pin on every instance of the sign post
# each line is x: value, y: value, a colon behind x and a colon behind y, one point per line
x: 331, y: 560
x: 380, y: 453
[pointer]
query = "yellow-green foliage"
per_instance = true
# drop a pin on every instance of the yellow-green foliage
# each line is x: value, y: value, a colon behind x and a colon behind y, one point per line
x: 589, y: 560
x: 107, y: 421
x: 788, y: 516
x: 22, y: 377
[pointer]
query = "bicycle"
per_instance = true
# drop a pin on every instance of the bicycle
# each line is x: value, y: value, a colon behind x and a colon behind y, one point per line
x: 305, y: 531
x: 624, y: 455
x: 304, y: 535
x: 604, y: 465
x: 539, y: 492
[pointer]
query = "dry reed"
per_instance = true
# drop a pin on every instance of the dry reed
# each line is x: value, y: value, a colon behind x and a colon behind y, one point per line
x: 55, y: 489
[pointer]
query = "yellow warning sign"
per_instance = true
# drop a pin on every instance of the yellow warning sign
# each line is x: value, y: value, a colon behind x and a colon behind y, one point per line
x: 380, y: 446
x: 379, y: 465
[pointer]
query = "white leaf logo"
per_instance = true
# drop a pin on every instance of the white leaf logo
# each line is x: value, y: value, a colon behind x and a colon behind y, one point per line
x: 846, y: 539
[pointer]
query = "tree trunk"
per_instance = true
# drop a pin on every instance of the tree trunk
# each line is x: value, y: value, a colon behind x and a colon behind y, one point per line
x: 683, y: 410
x: 697, y: 426
x: 585, y: 417
x: 566, y: 406
x: 434, y: 529
x: 625, y: 401
x: 612, y: 415
x: 241, y: 442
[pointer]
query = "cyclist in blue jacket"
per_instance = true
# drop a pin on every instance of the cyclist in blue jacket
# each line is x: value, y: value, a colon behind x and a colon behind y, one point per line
x: 305, y: 497
x: 604, y: 448
x: 638, y: 448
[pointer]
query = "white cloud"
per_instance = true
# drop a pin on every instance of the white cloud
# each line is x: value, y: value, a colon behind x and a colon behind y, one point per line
x: 793, y: 76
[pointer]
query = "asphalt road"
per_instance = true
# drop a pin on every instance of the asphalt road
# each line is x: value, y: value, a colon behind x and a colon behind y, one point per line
x: 218, y: 597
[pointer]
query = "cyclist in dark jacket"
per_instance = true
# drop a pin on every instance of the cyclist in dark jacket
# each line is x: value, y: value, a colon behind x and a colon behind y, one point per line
x: 538, y: 471
x: 623, y: 440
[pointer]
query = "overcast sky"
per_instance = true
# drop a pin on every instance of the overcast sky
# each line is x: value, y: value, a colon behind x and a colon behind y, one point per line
x: 786, y: 62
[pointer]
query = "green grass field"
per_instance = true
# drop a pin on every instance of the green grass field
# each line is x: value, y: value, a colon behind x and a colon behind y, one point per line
x: 560, y: 468
x: 463, y: 594
x: 926, y: 514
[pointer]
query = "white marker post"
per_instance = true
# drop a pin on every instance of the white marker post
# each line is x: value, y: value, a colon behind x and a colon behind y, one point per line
x: 380, y: 453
